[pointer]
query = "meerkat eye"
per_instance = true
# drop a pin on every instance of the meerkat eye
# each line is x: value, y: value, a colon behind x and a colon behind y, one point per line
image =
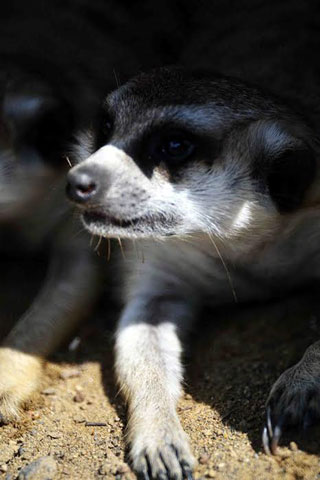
x: 106, y: 127
x: 172, y: 148
x: 103, y: 128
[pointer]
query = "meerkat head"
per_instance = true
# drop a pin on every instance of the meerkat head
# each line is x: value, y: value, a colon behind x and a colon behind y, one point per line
x: 175, y: 153
x: 35, y: 124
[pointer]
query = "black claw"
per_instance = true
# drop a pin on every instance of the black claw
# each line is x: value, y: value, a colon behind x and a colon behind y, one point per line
x: 186, y: 470
x: 173, y: 476
x: 188, y: 475
x: 269, y: 422
x: 275, y: 439
x: 143, y: 476
x: 271, y: 435
x: 162, y: 476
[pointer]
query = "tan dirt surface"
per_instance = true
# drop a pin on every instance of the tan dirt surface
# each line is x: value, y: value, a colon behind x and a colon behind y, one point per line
x: 230, y: 368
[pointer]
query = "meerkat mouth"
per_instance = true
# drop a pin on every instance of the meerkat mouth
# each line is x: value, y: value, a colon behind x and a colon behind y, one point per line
x: 104, y: 219
x: 101, y: 223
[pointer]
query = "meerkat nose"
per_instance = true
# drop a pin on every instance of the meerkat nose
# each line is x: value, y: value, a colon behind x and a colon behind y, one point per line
x: 82, y: 187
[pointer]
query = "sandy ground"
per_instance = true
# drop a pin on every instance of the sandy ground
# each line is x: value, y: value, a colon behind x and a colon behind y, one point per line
x: 78, y: 419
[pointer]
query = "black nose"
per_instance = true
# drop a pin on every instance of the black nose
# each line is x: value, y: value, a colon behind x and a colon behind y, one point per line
x: 81, y: 187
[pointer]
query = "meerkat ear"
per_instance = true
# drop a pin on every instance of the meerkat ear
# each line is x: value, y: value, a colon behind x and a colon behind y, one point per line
x: 283, y: 163
x: 290, y: 176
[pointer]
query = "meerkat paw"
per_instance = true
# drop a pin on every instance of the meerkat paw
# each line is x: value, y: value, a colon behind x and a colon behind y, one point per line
x: 19, y: 378
x: 294, y: 401
x: 161, y: 452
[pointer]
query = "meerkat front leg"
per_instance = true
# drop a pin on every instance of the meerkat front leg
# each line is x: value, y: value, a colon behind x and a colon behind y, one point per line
x: 68, y: 292
x: 294, y: 400
x: 149, y: 372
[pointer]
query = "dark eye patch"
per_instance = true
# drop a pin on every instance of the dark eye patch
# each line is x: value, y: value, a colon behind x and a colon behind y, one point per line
x: 171, y: 147
x: 104, y: 129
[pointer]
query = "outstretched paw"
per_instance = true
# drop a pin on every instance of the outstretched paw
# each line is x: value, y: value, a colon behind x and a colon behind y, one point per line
x: 162, y: 454
x: 19, y: 377
x: 294, y: 401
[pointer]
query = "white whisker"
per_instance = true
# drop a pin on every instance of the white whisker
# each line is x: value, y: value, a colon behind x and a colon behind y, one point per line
x: 225, y: 267
x: 121, y: 248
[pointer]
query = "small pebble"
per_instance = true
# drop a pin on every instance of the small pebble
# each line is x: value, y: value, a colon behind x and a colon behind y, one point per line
x: 44, y: 468
x: 49, y: 391
x: 204, y: 458
x: 78, y: 397
x: 70, y: 373
x: 79, y: 419
x: 4, y: 467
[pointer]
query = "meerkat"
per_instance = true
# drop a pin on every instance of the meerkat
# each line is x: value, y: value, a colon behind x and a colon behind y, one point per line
x: 216, y: 183
x: 36, y: 222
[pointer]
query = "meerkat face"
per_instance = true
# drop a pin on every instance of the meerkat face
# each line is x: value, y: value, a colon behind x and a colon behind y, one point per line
x: 177, y: 154
x: 35, y: 125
